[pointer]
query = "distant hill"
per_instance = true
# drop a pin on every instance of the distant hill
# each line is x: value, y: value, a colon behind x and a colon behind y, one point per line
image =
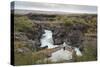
x: 23, y: 12
x: 22, y: 7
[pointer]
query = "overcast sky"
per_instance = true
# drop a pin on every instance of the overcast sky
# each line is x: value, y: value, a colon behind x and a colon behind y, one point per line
x: 55, y: 7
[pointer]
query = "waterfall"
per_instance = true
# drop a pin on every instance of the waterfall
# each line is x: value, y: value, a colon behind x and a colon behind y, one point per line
x: 78, y: 52
x: 47, y: 39
x: 59, y: 55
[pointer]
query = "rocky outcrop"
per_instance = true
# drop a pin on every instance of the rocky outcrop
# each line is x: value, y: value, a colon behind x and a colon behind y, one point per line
x: 29, y: 39
x: 72, y: 35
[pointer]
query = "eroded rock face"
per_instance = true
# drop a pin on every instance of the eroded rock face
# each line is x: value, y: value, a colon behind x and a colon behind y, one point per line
x: 72, y: 35
x: 59, y: 36
x: 30, y: 40
x: 20, y: 36
x: 76, y: 36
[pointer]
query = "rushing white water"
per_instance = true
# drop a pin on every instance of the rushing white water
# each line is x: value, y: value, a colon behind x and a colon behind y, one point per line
x: 78, y: 52
x: 59, y: 55
x: 47, y: 39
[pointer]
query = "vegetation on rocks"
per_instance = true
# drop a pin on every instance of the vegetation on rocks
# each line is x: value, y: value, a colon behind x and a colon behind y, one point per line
x: 22, y: 24
x: 27, y: 34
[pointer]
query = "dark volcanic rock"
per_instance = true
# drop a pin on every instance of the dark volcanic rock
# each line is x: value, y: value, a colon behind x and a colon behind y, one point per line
x: 76, y: 36
x: 58, y: 41
x: 30, y: 39
x: 72, y: 35
x: 20, y: 36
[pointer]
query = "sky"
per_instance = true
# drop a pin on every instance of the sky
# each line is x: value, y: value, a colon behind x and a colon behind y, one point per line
x: 55, y: 7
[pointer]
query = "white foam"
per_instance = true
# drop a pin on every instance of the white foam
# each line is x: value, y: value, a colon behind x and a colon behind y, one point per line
x: 78, y: 52
x: 61, y: 55
x: 47, y: 39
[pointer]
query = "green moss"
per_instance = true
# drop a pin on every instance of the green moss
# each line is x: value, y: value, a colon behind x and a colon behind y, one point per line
x: 90, y: 54
x: 23, y: 59
x: 22, y: 23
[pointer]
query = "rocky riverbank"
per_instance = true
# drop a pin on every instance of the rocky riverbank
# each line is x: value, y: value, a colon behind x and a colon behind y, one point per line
x: 28, y: 32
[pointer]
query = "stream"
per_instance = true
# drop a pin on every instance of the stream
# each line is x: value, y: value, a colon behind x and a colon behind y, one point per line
x: 59, y: 55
